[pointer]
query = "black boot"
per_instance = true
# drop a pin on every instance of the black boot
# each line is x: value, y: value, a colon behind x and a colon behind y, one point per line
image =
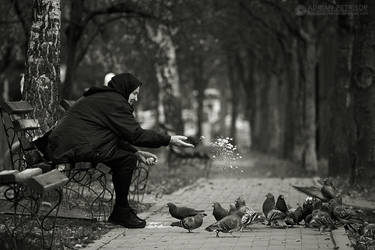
x: 126, y: 217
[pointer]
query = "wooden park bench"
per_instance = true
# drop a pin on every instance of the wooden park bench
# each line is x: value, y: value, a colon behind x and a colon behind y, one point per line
x: 187, y: 156
x: 84, y: 173
x: 88, y: 192
x: 30, y: 191
x: 30, y: 199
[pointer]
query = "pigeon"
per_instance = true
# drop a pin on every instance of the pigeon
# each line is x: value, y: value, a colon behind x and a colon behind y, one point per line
x: 190, y: 223
x: 181, y: 213
x: 307, y: 207
x: 276, y: 218
x: 249, y: 217
x: 368, y: 230
x: 322, y: 220
x: 268, y: 204
x: 281, y: 204
x: 219, y: 212
x: 232, y: 209
x: 312, y: 191
x: 328, y: 190
x: 228, y: 224
x: 296, y: 214
x: 346, y: 215
x: 239, y: 202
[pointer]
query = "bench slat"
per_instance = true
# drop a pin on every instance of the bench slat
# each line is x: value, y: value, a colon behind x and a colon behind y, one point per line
x: 48, y: 181
x: 26, y: 174
x: 26, y: 124
x: 21, y: 107
x: 8, y: 176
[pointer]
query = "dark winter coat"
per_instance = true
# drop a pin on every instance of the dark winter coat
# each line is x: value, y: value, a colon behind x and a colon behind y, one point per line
x: 98, y: 124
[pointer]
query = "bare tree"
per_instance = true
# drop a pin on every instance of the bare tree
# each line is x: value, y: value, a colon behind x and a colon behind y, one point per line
x: 363, y: 94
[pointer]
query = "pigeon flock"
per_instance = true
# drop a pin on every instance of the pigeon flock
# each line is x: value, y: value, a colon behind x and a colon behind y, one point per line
x: 323, y: 209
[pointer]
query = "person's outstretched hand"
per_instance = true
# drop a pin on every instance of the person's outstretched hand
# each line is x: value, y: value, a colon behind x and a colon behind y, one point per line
x: 178, y: 140
x: 146, y: 158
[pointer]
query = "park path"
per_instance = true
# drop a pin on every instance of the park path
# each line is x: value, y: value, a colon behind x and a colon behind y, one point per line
x: 159, y: 235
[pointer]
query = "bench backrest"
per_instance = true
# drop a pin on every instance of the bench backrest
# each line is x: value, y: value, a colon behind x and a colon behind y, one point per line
x: 20, y: 130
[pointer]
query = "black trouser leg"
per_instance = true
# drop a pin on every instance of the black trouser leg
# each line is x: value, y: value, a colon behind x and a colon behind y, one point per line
x: 122, y: 164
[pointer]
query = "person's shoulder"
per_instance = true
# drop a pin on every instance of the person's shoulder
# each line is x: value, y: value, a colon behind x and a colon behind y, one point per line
x: 119, y: 103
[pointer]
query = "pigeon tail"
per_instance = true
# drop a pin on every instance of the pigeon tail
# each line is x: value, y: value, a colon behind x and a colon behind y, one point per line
x: 211, y: 228
x: 177, y: 224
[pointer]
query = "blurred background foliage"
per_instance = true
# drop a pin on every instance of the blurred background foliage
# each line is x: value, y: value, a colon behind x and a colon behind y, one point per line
x: 270, y: 74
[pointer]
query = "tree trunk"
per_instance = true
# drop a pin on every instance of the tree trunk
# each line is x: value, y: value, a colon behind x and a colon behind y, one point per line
x: 310, y: 54
x: 326, y: 85
x: 258, y: 117
x: 73, y: 35
x: 292, y: 118
x: 273, y: 116
x: 363, y: 92
x: 43, y: 62
x: 170, y: 108
x: 200, y: 85
x: 340, y: 158
x: 233, y: 83
x: 248, y: 84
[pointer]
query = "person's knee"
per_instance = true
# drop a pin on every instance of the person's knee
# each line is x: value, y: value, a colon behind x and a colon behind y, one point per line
x: 131, y: 161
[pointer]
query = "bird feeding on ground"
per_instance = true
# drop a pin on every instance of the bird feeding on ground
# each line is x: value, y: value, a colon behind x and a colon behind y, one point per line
x: 228, y: 224
x: 190, y: 223
x: 219, y: 212
x: 181, y: 213
x: 268, y: 204
x: 248, y: 218
x: 281, y: 204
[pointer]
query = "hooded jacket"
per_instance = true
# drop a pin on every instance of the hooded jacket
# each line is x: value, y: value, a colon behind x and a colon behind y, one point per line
x: 99, y: 123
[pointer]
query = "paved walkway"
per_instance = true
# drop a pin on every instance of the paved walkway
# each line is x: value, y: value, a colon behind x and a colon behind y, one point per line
x: 159, y: 235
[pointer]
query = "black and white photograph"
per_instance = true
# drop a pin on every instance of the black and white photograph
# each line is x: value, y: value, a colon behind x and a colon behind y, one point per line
x: 187, y: 124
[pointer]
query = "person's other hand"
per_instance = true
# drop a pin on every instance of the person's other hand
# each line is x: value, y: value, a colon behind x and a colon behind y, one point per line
x: 146, y: 157
x: 178, y: 140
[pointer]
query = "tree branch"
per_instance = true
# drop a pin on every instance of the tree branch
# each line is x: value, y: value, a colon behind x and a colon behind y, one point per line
x: 280, y: 36
x: 20, y: 16
x: 120, y: 8
x: 298, y: 31
x: 99, y: 27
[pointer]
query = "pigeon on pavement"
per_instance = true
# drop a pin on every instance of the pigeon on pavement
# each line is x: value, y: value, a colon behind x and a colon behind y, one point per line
x: 268, y: 204
x: 228, y: 224
x: 190, y: 223
x: 181, y: 213
x: 232, y: 209
x: 219, y: 212
x: 322, y: 220
x: 239, y: 202
x: 248, y: 218
x: 296, y: 214
x: 281, y: 204
x: 345, y: 214
x: 276, y: 218
x: 328, y: 190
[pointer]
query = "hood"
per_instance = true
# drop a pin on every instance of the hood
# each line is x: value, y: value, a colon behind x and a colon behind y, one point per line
x: 94, y: 90
x: 124, y: 84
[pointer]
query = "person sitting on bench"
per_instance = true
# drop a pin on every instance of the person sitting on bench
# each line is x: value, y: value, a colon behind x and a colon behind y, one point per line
x: 100, y: 128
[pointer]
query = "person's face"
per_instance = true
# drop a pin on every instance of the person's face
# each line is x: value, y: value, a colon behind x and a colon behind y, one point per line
x: 133, y: 97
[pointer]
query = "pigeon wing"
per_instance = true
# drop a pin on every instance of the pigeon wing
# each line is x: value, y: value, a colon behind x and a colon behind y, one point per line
x: 311, y: 191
